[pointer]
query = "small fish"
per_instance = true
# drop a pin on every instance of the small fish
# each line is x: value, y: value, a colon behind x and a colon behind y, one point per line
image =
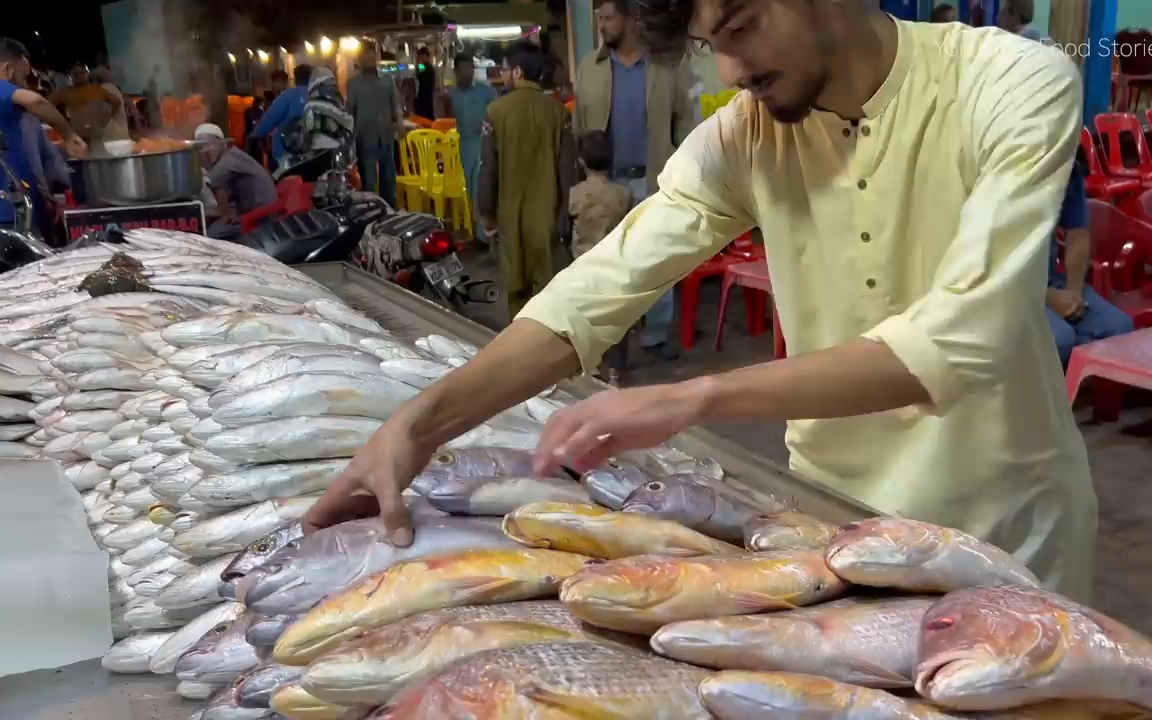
x: 284, y: 363
x: 259, y: 550
x: 307, y: 570
x: 643, y: 593
x: 221, y: 655
x: 569, y: 680
x: 265, y: 482
x: 694, y: 502
x: 500, y: 496
x: 992, y: 648
x: 292, y: 701
x: 920, y: 557
x: 132, y: 654
x: 865, y: 641
x: 474, y: 462
x: 257, y: 686
x: 371, y: 670
x: 597, y: 532
x: 165, y: 658
x: 787, y: 530
x: 233, y: 531
x: 741, y: 695
x: 611, y: 484
x: 314, y: 393
x: 298, y: 438
x: 199, y: 587
x: 250, y: 326
x: 466, y: 578
x: 265, y: 631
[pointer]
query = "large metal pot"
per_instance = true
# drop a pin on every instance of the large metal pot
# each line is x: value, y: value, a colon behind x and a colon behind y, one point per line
x: 138, y: 179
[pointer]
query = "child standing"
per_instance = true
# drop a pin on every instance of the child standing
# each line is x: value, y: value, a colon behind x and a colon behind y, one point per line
x: 597, y: 205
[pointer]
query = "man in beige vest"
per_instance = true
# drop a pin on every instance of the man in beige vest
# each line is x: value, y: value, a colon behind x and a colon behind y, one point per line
x: 645, y: 106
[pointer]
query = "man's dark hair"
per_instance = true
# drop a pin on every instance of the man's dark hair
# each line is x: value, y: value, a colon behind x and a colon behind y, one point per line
x: 596, y: 150
x: 528, y: 57
x: 12, y: 50
x: 661, y: 24
x: 279, y: 75
x: 623, y: 7
x: 463, y: 59
x: 302, y: 74
x: 1023, y: 10
x: 423, y: 50
x: 78, y: 64
x: 941, y: 13
x: 269, y: 96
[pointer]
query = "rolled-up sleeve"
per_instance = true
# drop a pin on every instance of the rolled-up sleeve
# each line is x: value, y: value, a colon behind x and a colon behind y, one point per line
x: 703, y: 204
x: 1025, y: 127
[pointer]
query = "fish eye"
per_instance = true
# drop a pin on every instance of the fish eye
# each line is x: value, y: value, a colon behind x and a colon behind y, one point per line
x: 614, y: 465
x: 292, y: 545
x: 851, y: 526
x: 940, y: 624
x: 445, y: 458
x: 263, y: 546
x: 655, y: 486
x: 220, y: 629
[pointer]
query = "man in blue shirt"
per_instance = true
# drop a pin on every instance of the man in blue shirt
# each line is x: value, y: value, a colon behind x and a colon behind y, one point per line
x: 15, y: 100
x: 285, y: 109
x: 1076, y: 313
x: 468, y: 102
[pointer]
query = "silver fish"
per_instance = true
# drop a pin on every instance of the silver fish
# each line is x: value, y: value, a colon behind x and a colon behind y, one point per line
x: 256, y: 688
x: 265, y: 631
x: 248, y: 327
x: 305, y: 571
x: 259, y: 550
x: 316, y: 393
x: 694, y: 501
x: 612, y: 483
x: 165, y: 658
x: 211, y: 371
x: 500, y: 496
x: 221, y: 655
x: 285, y: 363
x: 264, y: 482
x: 132, y: 654
x: 485, y: 462
x: 225, y: 705
x: 16, y: 431
x: 198, y: 587
x: 294, y: 439
x: 15, y: 410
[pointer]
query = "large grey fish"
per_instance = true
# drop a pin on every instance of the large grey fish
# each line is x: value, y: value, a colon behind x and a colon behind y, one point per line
x: 259, y: 550
x: 232, y: 531
x: 221, y: 655
x: 265, y: 482
x: 500, y: 496
x: 485, y: 462
x: 694, y: 501
x: 247, y: 327
x: 612, y: 483
x: 15, y: 410
x: 198, y: 587
x: 305, y: 438
x: 316, y: 393
x: 305, y: 571
x: 284, y: 363
x: 864, y: 641
x: 569, y: 679
x: 165, y: 658
x: 211, y: 371
x: 132, y: 654
x: 265, y: 631
x: 257, y: 686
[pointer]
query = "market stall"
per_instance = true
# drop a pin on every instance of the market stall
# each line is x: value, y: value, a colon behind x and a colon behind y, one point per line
x: 201, y: 418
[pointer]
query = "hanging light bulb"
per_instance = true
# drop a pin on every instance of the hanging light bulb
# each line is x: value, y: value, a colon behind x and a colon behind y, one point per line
x: 309, y: 47
x: 349, y: 44
x: 325, y: 45
x: 264, y: 57
x: 283, y: 51
x: 231, y: 58
x: 250, y: 53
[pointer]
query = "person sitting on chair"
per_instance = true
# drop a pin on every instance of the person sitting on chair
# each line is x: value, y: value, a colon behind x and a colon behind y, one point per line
x: 239, y: 183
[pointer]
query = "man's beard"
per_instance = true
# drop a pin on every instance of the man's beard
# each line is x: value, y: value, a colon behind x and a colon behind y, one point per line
x: 796, y: 111
x: 612, y: 41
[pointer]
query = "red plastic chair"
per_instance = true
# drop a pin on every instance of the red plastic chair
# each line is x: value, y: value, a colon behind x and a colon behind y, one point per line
x: 1111, y: 127
x: 1121, y: 244
x: 1121, y: 360
x: 1096, y: 183
x: 753, y: 277
x: 294, y: 196
x: 743, y: 249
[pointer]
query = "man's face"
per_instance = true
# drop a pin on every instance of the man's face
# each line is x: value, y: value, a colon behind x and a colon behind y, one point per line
x: 279, y: 85
x: 949, y: 16
x: 613, y: 25
x: 16, y: 71
x: 79, y: 75
x: 367, y: 60
x: 772, y: 48
x: 465, y: 73
x: 1007, y: 19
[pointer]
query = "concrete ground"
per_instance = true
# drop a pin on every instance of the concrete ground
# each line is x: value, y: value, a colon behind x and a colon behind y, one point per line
x: 1120, y: 452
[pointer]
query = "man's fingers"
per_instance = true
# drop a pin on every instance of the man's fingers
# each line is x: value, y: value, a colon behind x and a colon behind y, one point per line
x: 395, y: 516
x: 332, y: 507
x: 556, y: 433
x: 581, y: 445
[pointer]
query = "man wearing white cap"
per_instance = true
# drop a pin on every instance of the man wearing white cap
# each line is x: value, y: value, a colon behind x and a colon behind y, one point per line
x: 239, y: 183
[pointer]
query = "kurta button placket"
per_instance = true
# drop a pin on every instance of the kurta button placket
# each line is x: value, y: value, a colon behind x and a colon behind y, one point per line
x: 862, y: 183
x: 865, y: 131
x: 847, y: 132
x: 870, y: 283
x: 866, y: 237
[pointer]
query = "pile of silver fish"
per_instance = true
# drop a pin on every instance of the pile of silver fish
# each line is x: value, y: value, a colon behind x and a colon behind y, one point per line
x: 200, y: 421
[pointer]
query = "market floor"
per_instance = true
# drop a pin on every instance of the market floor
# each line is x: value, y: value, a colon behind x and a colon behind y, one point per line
x: 1120, y: 453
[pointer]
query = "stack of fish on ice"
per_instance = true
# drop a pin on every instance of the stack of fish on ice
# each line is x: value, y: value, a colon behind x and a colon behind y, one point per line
x: 202, y: 419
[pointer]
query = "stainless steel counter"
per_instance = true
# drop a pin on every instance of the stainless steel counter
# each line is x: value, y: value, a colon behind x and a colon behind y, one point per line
x: 84, y: 691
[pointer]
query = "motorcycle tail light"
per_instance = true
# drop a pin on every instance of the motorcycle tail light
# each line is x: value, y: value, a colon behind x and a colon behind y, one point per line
x: 438, y: 244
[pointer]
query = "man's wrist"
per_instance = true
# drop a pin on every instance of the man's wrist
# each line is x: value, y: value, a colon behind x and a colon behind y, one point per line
x: 702, y: 395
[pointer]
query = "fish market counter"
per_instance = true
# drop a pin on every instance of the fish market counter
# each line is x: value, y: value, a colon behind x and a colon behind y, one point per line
x: 86, y: 691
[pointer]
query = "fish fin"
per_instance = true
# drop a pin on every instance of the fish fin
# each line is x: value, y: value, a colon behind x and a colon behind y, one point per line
x: 573, y: 706
x: 754, y: 602
x: 869, y: 674
x: 479, y: 588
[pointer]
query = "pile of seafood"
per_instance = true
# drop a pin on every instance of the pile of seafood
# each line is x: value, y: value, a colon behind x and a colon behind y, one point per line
x: 201, y: 417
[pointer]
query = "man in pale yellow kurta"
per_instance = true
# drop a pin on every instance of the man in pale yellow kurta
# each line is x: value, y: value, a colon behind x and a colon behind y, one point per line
x: 908, y: 253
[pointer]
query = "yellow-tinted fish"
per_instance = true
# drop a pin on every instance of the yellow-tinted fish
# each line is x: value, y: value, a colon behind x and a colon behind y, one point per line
x: 994, y: 648
x: 920, y: 557
x: 738, y: 695
x: 787, y: 530
x: 598, y: 532
x: 641, y: 594
x: 552, y: 682
x: 466, y: 578
x: 371, y: 669
x: 293, y: 702
x: 866, y: 641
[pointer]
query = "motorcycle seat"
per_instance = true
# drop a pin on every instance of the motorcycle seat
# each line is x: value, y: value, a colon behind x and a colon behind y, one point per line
x: 293, y: 238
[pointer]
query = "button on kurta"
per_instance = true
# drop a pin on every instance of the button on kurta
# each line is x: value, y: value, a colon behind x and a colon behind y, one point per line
x: 847, y: 132
x: 870, y: 283
x: 865, y: 131
x: 861, y: 184
x: 866, y: 237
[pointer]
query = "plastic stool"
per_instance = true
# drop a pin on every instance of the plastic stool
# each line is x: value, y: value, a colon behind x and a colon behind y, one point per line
x: 1114, y: 362
x: 753, y: 277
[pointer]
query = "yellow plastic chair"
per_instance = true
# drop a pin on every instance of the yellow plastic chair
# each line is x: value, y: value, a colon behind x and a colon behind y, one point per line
x: 725, y: 97
x: 421, y: 169
x: 408, y: 179
x: 707, y: 105
x: 454, y: 188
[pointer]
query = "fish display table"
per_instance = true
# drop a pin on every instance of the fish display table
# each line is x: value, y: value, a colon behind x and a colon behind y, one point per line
x: 85, y: 690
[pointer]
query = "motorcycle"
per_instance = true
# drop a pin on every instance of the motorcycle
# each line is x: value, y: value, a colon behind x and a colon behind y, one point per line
x: 19, y: 245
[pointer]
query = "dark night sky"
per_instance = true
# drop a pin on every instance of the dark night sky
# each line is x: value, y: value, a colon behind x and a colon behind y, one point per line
x: 68, y: 32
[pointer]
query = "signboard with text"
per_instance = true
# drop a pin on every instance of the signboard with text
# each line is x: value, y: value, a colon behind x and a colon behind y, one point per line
x: 182, y: 216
